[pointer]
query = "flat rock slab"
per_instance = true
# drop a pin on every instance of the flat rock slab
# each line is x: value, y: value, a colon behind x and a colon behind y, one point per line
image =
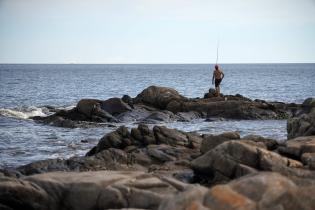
x: 87, y: 190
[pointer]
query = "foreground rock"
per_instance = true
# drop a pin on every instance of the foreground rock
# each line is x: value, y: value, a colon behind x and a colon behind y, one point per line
x: 259, y: 191
x: 190, y: 157
x: 87, y: 190
x: 138, y: 190
x: 302, y: 148
x: 233, y: 159
x: 155, y: 104
x: 303, y: 122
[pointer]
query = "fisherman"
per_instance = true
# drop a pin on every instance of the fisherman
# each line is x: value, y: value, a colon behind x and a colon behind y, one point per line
x: 217, y: 78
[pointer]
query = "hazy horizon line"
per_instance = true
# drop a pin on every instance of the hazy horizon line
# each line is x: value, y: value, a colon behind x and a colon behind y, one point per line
x: 136, y: 63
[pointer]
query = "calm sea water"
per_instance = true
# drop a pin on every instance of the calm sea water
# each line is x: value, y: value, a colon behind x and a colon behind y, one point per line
x: 25, y: 89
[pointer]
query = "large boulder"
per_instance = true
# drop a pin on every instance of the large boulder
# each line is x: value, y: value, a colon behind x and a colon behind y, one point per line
x: 87, y: 190
x: 211, y: 141
x: 92, y: 109
x: 88, y: 106
x: 259, y: 191
x: 301, y: 148
x: 236, y: 158
x: 115, y: 106
x: 303, y: 124
x: 107, y: 108
x: 158, y: 97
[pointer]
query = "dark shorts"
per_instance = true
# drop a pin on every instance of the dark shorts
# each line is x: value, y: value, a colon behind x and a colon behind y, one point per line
x: 217, y: 82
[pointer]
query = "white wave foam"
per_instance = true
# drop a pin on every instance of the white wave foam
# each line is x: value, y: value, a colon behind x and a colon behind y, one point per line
x: 24, y: 112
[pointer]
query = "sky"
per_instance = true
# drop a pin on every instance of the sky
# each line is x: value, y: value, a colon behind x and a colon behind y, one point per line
x: 157, y: 31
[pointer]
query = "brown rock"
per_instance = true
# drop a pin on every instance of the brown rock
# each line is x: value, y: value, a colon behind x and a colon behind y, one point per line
x: 232, y: 159
x: 158, y: 97
x: 211, y: 141
x: 86, y: 190
x: 296, y: 147
x: 258, y: 191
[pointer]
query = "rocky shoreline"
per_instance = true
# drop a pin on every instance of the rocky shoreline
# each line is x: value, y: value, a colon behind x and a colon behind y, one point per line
x: 163, y: 168
x: 160, y: 104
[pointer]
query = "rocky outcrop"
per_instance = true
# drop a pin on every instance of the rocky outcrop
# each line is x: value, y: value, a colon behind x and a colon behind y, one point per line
x: 258, y: 191
x: 158, y: 168
x: 87, y: 113
x: 142, y: 136
x: 159, y: 150
x: 303, y: 123
x: 226, y: 106
x: 155, y: 104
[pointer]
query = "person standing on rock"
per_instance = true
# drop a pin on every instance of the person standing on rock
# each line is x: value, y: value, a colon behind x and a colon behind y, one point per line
x: 217, y: 78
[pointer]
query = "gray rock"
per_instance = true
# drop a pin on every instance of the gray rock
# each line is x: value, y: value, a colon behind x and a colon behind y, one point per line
x: 301, y: 125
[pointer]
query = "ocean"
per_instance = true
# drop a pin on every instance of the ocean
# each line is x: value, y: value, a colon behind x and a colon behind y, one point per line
x: 26, y: 89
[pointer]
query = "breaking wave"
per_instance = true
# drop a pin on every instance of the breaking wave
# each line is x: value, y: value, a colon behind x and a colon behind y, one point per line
x: 25, y: 112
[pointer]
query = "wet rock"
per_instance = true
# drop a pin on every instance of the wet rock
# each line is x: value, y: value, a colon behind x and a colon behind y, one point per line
x: 188, y: 116
x: 159, y: 116
x: 128, y: 100
x: 88, y: 106
x: 115, y: 106
x: 118, y: 139
x: 138, y: 113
